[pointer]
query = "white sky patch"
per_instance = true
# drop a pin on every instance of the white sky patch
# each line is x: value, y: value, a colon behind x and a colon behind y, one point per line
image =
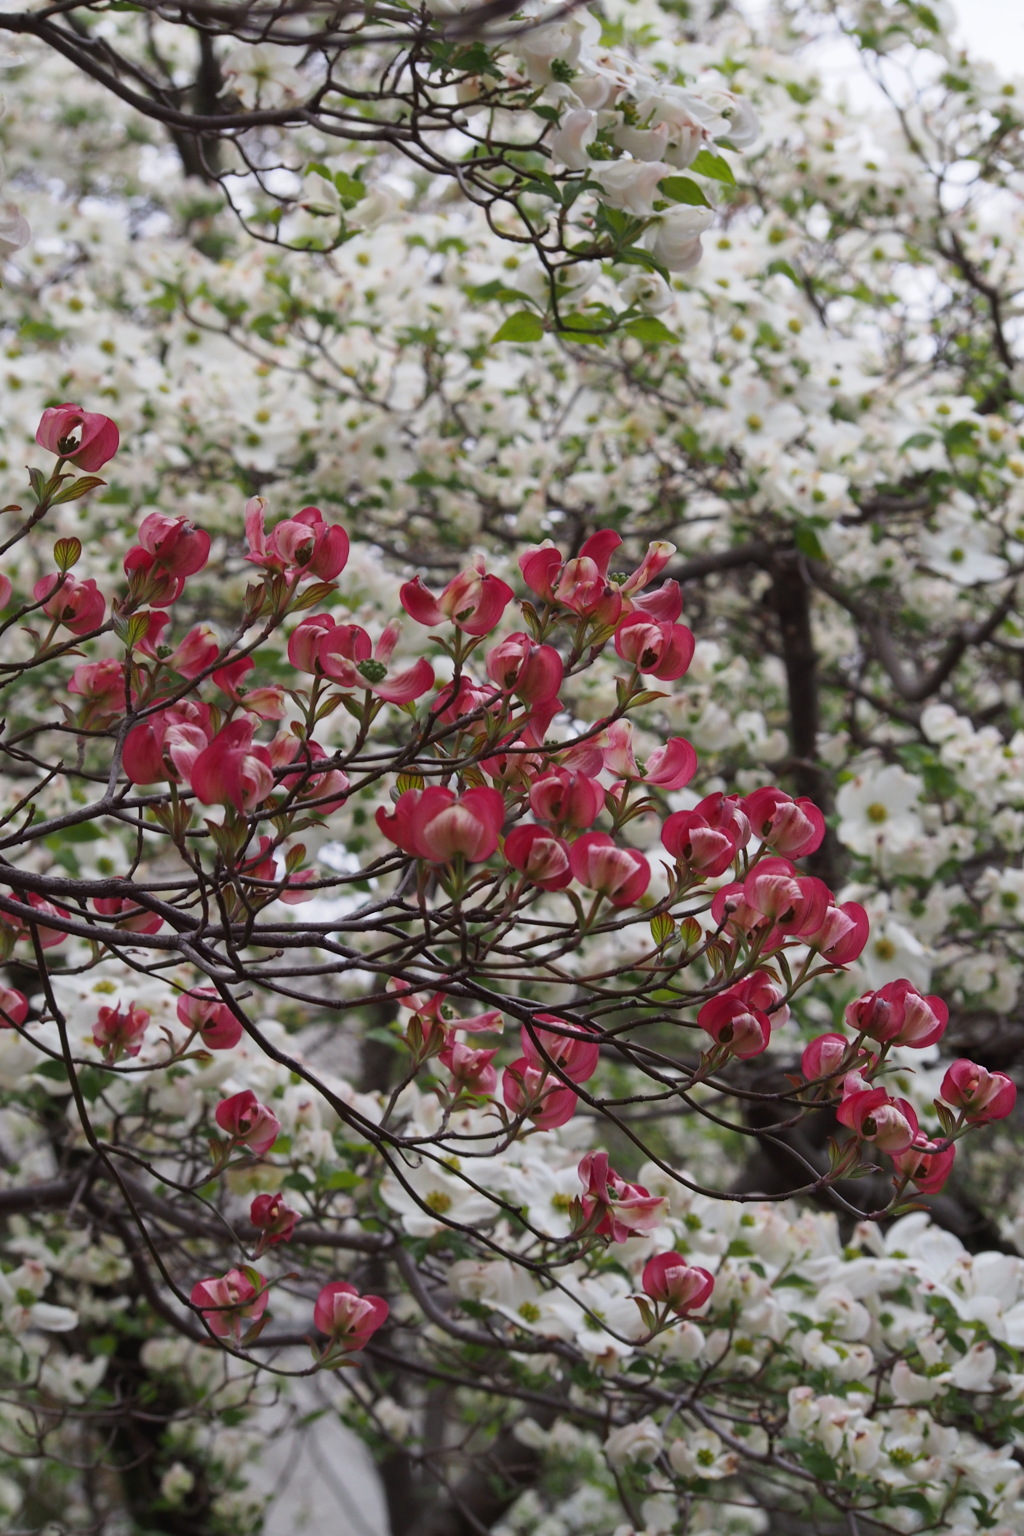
x: 988, y: 29
x: 994, y: 30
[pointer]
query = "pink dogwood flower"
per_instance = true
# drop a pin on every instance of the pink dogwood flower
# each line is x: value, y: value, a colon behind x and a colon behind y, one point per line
x: 613, y: 1207
x: 530, y: 1091
x: 772, y: 904
x: 233, y: 770
x: 264, y: 869
x: 980, y: 1096
x: 576, y: 1052
x: 471, y: 1069
x: 457, y: 703
x: 927, y: 1164
x: 669, y: 767
x: 620, y: 874
x: 732, y: 1020
x: 13, y: 1007
x: 582, y: 584
x: 78, y: 605
x: 48, y: 937
x: 158, y: 568
x: 151, y: 642
x: 348, y: 1319
x: 519, y: 665
x: 321, y: 790
x: 274, y: 1219
x: 130, y: 917
x: 897, y: 1014
x: 118, y: 1031
x: 201, y: 1010
x: 473, y: 601
x: 843, y: 933
x: 266, y: 703
x: 228, y: 1302
x: 872, y: 1115
x: 194, y: 653
x: 346, y: 654
x: 166, y: 745
x: 303, y: 545
x: 436, y: 825
x: 170, y: 549
x: 664, y: 650
x: 790, y: 827
x: 671, y: 1280
x: 85, y: 438
x: 539, y: 855
x: 567, y: 798
x: 824, y: 1057
x: 247, y: 1122
x: 101, y: 684
x: 665, y: 604
x: 440, y: 1007
x: 706, y: 840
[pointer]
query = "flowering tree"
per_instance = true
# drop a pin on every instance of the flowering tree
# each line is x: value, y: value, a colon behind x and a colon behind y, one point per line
x: 281, y: 110
x: 264, y: 1119
x: 225, y: 1179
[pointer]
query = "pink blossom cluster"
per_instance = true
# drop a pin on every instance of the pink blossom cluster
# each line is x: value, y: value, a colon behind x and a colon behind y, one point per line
x: 897, y: 1014
x: 488, y: 799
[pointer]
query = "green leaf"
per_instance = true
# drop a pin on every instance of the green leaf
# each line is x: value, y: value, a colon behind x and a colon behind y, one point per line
x: 946, y: 1118
x: 635, y: 256
x: 690, y: 932
x: 91, y: 1083
x: 591, y: 330
x: 40, y: 331
x: 476, y: 60
x: 348, y: 187
x: 615, y: 221
x: 714, y: 166
x: 382, y: 1037
x: 495, y: 289
x: 663, y: 929
x: 909, y: 1498
x: 522, y: 326
x: 313, y: 595
x: 785, y: 269
x: 543, y: 185
x: 651, y: 331
x: 682, y: 190
x: 807, y: 542
x: 739, y: 1248
x: 341, y: 1178
x: 53, y: 1071
x: 960, y: 437
x: 818, y: 1462
x: 78, y: 832
x: 918, y: 440
x: 77, y: 488
x: 297, y: 1181
x: 927, y: 17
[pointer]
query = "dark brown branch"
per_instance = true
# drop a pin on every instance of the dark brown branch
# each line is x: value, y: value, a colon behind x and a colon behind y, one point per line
x: 791, y: 600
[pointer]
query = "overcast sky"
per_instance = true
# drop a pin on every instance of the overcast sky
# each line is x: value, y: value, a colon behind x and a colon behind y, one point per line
x: 995, y: 29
